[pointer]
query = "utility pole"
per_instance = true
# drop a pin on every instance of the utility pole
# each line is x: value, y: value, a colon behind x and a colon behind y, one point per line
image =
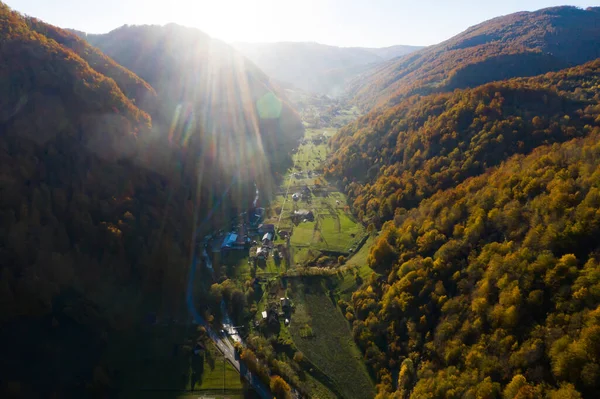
x: 223, y: 374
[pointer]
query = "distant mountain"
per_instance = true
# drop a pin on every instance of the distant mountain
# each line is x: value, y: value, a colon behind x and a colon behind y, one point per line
x: 210, y: 88
x: 520, y: 44
x: 387, y: 53
x: 316, y: 67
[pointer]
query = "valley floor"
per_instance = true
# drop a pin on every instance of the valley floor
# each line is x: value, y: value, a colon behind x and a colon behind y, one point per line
x: 315, y: 235
x: 321, y: 257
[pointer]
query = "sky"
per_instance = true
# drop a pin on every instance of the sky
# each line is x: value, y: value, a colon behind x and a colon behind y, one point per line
x: 347, y: 23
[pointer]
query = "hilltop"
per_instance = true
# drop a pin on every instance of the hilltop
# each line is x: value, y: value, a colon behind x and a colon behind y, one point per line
x: 317, y: 67
x: 135, y: 88
x: 520, y: 44
x: 50, y: 89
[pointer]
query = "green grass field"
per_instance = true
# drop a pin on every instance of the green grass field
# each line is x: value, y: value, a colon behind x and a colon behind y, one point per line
x: 358, y: 262
x: 331, y: 349
x: 234, y: 264
x: 329, y: 346
x: 152, y: 367
x: 333, y: 229
x: 303, y: 234
x: 218, y: 373
x: 339, y: 232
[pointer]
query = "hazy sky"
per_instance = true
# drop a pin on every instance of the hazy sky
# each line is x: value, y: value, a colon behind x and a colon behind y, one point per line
x: 372, y: 23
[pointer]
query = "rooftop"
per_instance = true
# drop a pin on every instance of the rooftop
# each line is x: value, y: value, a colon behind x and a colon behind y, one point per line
x: 229, y: 240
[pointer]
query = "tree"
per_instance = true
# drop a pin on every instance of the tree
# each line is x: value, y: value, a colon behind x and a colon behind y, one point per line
x: 280, y: 388
x: 298, y: 357
x: 371, y: 229
x: 566, y: 391
x: 514, y: 386
x: 406, y: 378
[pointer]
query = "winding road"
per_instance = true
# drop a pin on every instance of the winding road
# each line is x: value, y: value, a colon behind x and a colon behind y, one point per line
x: 221, y: 341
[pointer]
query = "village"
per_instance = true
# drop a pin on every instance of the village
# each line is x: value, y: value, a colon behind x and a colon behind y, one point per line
x: 261, y: 244
x: 268, y: 250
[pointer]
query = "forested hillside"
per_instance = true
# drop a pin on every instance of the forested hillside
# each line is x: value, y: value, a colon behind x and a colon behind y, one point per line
x: 132, y: 85
x: 85, y: 237
x: 492, y: 288
x: 391, y: 160
x: 520, y: 44
x: 489, y: 280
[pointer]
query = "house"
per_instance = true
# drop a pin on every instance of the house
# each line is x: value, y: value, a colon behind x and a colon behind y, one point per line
x: 262, y: 253
x: 229, y: 240
x: 233, y: 241
x: 286, y: 307
x: 304, y: 214
x: 267, y: 238
x: 266, y: 228
x: 285, y: 302
x: 284, y: 234
x: 270, y: 316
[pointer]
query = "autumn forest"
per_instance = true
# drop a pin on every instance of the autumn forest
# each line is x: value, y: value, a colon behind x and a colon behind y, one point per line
x: 471, y: 169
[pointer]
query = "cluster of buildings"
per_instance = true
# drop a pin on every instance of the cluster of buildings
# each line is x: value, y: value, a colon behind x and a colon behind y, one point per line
x: 243, y: 228
x: 267, y: 232
x: 275, y: 312
x: 305, y: 194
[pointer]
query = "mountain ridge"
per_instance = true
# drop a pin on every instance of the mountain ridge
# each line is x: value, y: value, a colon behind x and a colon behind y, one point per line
x: 310, y: 65
x: 441, y: 133
x: 519, y: 44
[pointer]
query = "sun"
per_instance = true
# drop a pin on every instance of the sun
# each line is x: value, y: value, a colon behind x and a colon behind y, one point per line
x: 242, y: 20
